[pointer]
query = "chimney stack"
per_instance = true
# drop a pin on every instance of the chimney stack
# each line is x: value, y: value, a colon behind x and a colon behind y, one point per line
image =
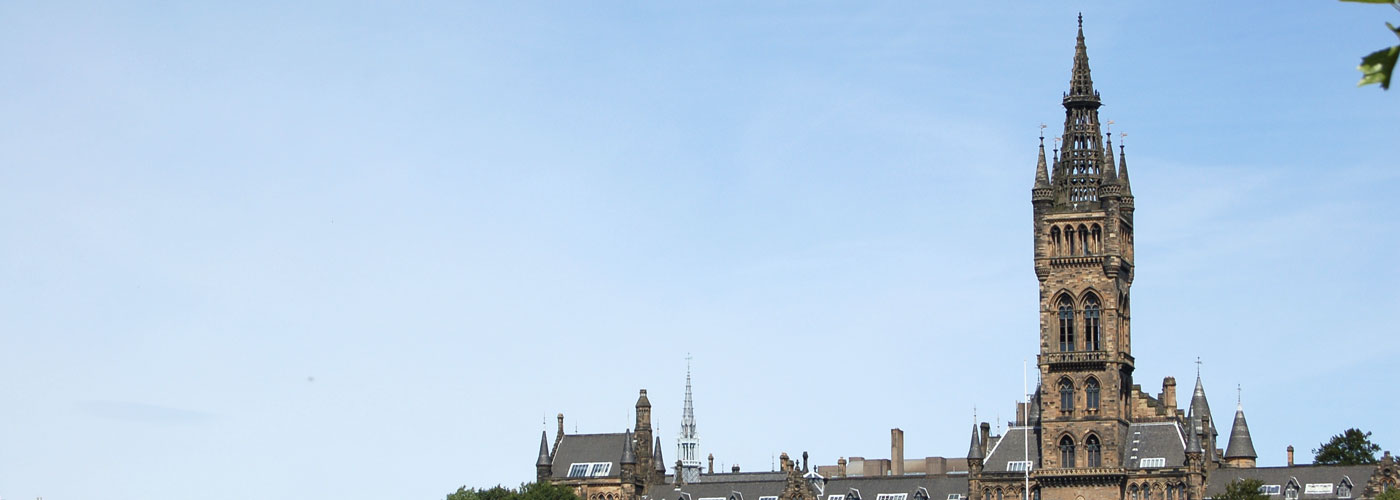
x: 841, y: 467
x: 1169, y: 394
x: 1290, y: 455
x: 712, y: 463
x: 986, y: 434
x: 897, y: 451
x: 735, y: 468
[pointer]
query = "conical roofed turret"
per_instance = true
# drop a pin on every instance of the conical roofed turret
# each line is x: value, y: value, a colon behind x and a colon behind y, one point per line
x: 629, y: 457
x: 1241, y: 445
x: 544, y: 449
x: 974, y: 450
x: 656, y: 457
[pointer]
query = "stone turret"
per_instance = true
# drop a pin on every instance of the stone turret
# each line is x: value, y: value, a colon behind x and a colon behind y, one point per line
x: 544, y: 466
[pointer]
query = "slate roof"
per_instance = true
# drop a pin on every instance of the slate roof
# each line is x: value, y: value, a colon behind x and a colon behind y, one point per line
x: 1155, y: 440
x: 938, y: 486
x: 748, y: 489
x: 1241, y: 445
x: 1011, y: 447
x: 580, y: 448
x: 1303, y: 474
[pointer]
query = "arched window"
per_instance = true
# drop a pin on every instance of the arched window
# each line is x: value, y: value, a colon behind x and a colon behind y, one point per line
x: 1091, y: 394
x: 1066, y: 310
x: 1066, y: 395
x: 1083, y: 240
x: 1133, y: 492
x: 1066, y: 452
x: 1171, y: 492
x: 1069, y: 240
x: 1055, y: 241
x: 1091, y: 449
x: 1096, y: 238
x: 999, y: 494
x: 1093, y: 329
x: 1035, y: 494
x: 987, y: 494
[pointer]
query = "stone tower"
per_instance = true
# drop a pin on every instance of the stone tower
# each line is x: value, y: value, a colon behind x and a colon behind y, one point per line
x: 688, y: 444
x: 641, y: 440
x: 1083, y: 211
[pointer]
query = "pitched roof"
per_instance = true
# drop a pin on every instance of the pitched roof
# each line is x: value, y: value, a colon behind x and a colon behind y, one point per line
x: 938, y: 486
x: 1319, y: 475
x: 585, y: 448
x: 1155, y: 440
x: 1012, y: 447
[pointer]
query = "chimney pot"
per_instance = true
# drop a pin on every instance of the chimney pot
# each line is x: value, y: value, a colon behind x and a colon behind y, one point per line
x: 1290, y: 455
x: 736, y: 468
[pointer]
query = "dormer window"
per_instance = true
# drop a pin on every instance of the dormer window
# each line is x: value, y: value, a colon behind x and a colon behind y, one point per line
x: 1344, y: 488
x: 1290, y: 491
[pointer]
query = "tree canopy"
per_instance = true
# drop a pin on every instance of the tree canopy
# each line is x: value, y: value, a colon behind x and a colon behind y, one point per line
x: 1243, y: 489
x: 531, y: 491
x: 1352, y: 447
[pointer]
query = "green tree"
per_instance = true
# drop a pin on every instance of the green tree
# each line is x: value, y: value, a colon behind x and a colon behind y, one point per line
x: 546, y: 491
x: 1390, y: 494
x: 1243, y: 489
x: 463, y: 494
x: 1351, y: 447
x: 532, y: 491
x: 1377, y: 66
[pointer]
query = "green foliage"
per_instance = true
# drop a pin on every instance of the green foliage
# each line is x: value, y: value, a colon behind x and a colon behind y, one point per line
x: 1351, y: 447
x: 1243, y: 489
x: 1390, y: 494
x: 1378, y: 66
x: 532, y: 491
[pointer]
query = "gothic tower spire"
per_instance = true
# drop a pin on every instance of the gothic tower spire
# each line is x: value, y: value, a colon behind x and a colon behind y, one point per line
x: 1077, y: 172
x: 687, y: 446
x: 1083, y: 261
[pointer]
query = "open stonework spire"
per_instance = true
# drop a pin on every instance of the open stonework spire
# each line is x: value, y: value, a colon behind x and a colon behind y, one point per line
x: 1078, y: 170
x: 1080, y: 82
x: 688, y: 444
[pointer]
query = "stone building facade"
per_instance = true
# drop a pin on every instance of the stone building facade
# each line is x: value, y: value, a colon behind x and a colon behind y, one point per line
x: 1088, y: 432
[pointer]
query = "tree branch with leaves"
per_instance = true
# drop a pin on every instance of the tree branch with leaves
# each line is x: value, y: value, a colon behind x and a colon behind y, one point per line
x: 1378, y: 66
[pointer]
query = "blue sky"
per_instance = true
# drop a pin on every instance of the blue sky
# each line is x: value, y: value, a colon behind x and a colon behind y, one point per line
x: 365, y: 250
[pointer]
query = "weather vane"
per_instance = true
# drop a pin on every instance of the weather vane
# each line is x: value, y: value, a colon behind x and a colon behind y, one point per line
x: 1109, y: 127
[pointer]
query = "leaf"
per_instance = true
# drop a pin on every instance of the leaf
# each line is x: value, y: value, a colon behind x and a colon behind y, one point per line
x: 1378, y: 66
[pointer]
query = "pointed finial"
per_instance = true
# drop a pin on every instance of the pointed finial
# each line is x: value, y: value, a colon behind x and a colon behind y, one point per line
x: 1239, y: 395
x: 1081, y: 20
x: 1198, y: 367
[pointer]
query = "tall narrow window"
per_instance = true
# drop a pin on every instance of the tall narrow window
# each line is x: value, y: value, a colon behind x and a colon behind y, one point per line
x: 1091, y: 450
x: 1083, y: 240
x: 1091, y: 394
x: 1093, y: 330
x: 1133, y: 492
x: 1066, y: 308
x: 1066, y: 452
x: 1055, y: 241
x: 1069, y: 240
x: 1066, y: 395
x: 1096, y: 239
